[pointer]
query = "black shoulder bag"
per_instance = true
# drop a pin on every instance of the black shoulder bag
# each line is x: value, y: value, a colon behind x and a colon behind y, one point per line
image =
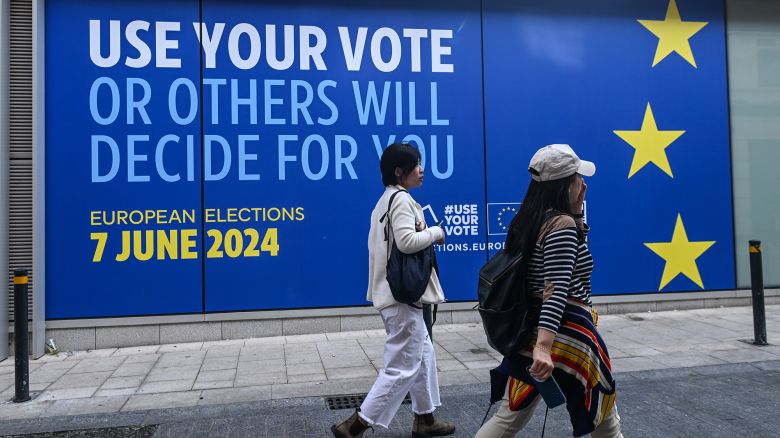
x: 407, y: 274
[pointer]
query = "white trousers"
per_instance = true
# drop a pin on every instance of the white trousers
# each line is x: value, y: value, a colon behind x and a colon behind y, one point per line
x: 410, y: 367
x: 507, y: 423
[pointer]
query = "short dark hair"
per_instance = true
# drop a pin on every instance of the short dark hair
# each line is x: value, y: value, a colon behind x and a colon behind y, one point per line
x: 398, y: 155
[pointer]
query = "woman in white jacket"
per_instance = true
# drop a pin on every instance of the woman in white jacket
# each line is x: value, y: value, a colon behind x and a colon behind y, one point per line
x: 410, y: 362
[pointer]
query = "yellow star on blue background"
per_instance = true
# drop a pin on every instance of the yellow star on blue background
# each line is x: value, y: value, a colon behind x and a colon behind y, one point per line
x: 649, y: 144
x: 673, y: 34
x: 680, y: 255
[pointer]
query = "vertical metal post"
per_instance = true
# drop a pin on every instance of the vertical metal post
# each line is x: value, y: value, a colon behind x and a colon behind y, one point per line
x: 39, y: 180
x: 757, y: 281
x: 22, y: 341
x: 5, y: 66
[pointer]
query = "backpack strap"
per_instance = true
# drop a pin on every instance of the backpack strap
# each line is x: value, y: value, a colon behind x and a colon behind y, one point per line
x: 548, y: 226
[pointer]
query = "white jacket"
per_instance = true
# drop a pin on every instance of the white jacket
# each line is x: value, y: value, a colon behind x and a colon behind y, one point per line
x: 403, y: 217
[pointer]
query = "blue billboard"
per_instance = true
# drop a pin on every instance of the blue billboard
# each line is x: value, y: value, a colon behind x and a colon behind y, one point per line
x: 640, y: 88
x: 222, y: 156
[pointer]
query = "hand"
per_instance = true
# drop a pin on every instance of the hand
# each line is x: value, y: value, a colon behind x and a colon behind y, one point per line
x: 579, y: 205
x: 542, y: 367
x: 441, y: 241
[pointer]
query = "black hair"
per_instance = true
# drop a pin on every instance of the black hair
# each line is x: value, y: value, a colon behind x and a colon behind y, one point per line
x: 398, y: 155
x: 539, y: 198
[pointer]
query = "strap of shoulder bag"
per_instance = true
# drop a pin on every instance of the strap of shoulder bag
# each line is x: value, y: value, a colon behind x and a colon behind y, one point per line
x: 387, y: 213
x: 388, y: 227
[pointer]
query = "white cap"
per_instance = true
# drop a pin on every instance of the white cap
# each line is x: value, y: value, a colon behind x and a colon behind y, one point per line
x: 557, y: 161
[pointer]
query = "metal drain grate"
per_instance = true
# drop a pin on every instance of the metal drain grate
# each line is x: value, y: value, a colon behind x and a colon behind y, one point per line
x: 635, y: 318
x: 351, y: 401
x: 345, y: 401
x: 115, y: 432
x: 479, y: 351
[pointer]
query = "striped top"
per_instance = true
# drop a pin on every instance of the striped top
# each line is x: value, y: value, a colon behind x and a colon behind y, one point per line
x: 560, y: 269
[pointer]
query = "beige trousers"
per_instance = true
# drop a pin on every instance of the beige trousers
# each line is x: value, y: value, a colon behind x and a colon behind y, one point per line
x: 506, y: 423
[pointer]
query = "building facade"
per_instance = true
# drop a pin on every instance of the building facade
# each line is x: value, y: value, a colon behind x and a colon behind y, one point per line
x: 186, y: 170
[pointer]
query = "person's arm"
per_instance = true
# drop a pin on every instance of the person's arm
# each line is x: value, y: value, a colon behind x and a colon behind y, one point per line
x: 407, y: 238
x: 560, y: 254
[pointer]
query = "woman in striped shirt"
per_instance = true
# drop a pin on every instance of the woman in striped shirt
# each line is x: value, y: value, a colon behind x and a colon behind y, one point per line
x: 549, y: 229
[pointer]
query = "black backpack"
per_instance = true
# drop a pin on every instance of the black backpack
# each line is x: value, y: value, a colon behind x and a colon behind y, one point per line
x: 509, y: 314
x: 407, y: 274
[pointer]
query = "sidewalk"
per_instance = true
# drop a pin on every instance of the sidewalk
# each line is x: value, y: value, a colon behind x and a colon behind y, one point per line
x: 224, y: 372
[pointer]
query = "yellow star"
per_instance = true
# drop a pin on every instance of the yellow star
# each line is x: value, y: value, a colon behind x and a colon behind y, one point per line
x: 680, y: 255
x: 650, y: 144
x: 673, y: 34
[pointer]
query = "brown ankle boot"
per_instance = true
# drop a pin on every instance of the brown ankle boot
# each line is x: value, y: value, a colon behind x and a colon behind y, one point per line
x: 426, y: 425
x: 351, y: 427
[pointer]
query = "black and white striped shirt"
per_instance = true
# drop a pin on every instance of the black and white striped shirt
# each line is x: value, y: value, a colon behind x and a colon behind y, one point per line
x: 566, y: 263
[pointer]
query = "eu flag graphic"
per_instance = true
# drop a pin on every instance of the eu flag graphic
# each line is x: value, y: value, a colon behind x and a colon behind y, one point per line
x: 500, y: 214
x: 640, y: 89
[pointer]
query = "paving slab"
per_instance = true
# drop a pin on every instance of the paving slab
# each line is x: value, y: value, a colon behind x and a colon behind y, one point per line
x: 187, y: 346
x: 449, y: 365
x: 235, y: 395
x: 166, y: 386
x: 350, y: 373
x: 635, y: 364
x: 215, y: 384
x: 135, y: 351
x: 67, y: 393
x: 211, y: 376
x: 97, y: 364
x: 298, y: 368
x: 260, y: 379
x: 456, y: 377
x: 115, y: 392
x: 181, y: 358
x: 87, y: 354
x: 81, y: 380
x: 158, y: 373
x: 254, y: 354
x: 142, y: 358
x: 38, y: 376
x: 159, y: 401
x: 291, y: 390
x: 95, y: 405
x: 481, y: 364
x: 755, y: 354
x: 219, y: 363
x: 300, y: 359
x: 123, y: 382
x: 261, y: 366
x: 133, y: 369
x: 223, y: 351
x: 686, y: 360
x: 301, y: 378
